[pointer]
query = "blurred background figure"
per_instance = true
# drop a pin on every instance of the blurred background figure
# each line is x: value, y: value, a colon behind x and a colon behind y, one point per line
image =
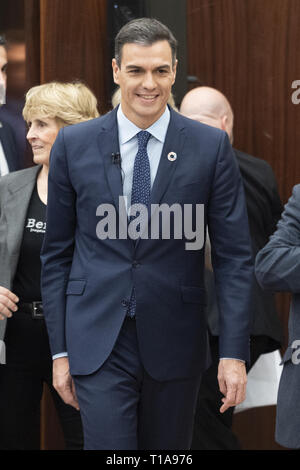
x: 213, y: 430
x: 15, y: 96
x: 9, y: 159
x: 23, y: 199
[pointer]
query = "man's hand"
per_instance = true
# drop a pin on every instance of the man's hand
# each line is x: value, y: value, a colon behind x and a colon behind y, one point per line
x: 63, y: 382
x: 8, y: 303
x: 232, y: 379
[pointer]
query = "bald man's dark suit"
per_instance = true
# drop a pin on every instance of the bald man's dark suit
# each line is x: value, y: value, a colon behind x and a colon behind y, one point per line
x: 212, y: 429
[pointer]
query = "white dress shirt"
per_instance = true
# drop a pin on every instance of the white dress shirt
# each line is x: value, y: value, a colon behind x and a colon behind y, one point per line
x: 128, y: 144
x: 3, y: 163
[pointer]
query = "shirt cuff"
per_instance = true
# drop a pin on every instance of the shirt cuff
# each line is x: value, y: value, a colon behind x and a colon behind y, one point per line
x: 62, y: 354
x: 233, y: 358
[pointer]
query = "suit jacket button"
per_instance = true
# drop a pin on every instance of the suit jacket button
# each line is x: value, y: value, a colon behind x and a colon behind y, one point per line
x: 135, y: 264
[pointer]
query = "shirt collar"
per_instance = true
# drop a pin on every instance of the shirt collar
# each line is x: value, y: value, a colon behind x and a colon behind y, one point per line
x: 127, y: 129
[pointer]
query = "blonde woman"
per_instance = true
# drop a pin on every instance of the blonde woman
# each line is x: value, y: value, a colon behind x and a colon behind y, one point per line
x: 23, y: 199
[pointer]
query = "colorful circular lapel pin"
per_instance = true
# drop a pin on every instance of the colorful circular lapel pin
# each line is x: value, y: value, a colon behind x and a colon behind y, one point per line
x: 172, y: 156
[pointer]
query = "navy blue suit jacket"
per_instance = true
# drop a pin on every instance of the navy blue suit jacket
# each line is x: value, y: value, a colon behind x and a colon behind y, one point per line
x: 87, y: 282
x: 9, y: 147
x: 264, y: 209
x: 277, y: 268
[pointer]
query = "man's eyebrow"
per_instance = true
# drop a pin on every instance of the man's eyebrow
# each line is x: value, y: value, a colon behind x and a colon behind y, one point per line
x: 162, y: 66
x: 132, y: 66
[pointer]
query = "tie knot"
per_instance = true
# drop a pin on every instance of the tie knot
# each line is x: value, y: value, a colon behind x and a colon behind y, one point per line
x: 143, y: 137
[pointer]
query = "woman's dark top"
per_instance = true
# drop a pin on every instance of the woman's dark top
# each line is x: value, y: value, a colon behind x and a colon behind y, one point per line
x: 28, y: 275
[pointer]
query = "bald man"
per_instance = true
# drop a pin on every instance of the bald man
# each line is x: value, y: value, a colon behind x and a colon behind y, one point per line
x: 210, y: 106
x: 212, y: 430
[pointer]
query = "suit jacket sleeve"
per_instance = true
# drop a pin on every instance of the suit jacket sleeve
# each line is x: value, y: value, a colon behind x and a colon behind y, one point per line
x: 2, y: 244
x: 58, y: 246
x: 231, y: 255
x: 9, y: 145
x: 275, y: 201
x: 277, y: 265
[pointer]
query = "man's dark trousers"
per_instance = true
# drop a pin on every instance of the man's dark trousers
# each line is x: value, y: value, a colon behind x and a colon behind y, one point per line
x: 125, y: 409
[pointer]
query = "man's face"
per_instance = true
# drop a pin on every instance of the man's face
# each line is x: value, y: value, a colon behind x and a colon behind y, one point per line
x: 3, y: 65
x: 146, y: 76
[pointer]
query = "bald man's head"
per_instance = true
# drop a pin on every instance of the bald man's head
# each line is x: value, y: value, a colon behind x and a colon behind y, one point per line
x: 210, y: 106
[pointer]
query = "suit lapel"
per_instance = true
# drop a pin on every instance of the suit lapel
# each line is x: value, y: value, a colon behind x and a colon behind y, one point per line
x: 173, y: 144
x: 108, y: 142
x: 17, y: 201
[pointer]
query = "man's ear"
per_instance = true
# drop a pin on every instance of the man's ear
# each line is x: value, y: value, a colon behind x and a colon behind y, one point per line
x: 116, y: 70
x: 174, y: 71
x: 224, y: 123
x: 226, y: 126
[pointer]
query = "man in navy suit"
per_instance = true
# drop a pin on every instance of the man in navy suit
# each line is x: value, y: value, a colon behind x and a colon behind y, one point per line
x: 124, y: 301
x: 8, y: 150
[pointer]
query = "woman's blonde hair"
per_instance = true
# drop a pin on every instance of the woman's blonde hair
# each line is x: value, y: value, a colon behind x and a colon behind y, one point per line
x: 67, y: 103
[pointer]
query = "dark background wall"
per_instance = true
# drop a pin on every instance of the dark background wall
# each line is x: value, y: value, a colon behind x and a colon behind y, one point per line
x: 245, y: 48
x: 248, y: 49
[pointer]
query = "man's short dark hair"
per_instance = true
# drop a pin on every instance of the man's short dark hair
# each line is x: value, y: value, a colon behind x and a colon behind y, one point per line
x: 144, y: 31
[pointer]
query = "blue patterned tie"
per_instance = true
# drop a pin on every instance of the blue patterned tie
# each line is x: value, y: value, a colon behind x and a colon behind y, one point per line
x: 141, y: 187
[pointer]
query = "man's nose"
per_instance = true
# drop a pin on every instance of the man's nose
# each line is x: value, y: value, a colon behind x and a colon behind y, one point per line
x: 149, y: 81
